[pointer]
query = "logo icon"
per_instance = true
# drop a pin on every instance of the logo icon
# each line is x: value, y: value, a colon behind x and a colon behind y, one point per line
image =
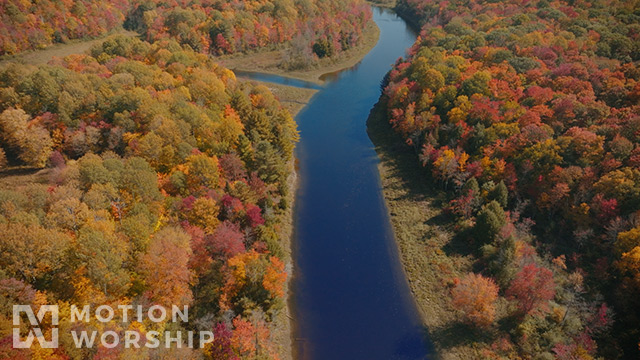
x: 35, y: 331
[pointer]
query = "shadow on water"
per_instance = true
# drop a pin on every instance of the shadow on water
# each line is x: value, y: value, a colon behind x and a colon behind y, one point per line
x: 276, y: 79
x: 334, y: 75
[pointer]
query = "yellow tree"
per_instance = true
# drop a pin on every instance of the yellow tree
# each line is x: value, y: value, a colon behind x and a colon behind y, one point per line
x: 204, y: 214
x: 31, y: 141
x: 475, y: 296
x: 629, y: 265
x: 202, y: 171
x: 165, y: 268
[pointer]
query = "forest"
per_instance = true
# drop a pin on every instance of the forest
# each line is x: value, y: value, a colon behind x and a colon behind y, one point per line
x: 527, y: 114
x: 166, y: 183
x: 144, y: 173
x: 321, y: 28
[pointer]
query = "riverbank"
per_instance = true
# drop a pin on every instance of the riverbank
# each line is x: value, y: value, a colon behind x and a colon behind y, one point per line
x: 424, y: 236
x: 268, y: 62
x: 292, y: 98
x: 295, y: 99
x: 281, y: 326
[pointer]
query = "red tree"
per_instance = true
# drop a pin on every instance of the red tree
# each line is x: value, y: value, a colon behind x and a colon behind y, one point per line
x: 227, y: 240
x: 532, y: 287
x: 220, y: 348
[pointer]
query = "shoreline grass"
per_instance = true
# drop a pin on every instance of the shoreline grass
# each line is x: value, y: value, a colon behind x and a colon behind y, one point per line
x: 268, y: 61
x: 424, y: 236
x: 292, y: 98
x: 295, y: 99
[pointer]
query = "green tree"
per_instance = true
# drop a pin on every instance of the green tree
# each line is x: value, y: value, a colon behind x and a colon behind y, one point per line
x: 500, y: 194
x: 203, y: 171
x: 478, y: 83
x: 92, y: 171
x: 140, y: 180
x: 270, y: 165
x: 489, y: 221
x: 323, y: 48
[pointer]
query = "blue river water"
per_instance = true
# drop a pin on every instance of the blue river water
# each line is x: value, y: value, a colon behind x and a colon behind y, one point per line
x: 351, y: 300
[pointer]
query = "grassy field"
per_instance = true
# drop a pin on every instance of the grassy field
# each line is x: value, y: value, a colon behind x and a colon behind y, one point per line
x: 37, y: 57
x: 269, y: 61
x: 293, y: 98
x: 431, y: 256
x: 17, y: 176
x: 389, y: 4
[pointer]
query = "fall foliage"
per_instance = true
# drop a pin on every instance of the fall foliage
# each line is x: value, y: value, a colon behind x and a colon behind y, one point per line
x: 154, y: 193
x: 475, y: 296
x: 320, y: 28
x: 527, y: 115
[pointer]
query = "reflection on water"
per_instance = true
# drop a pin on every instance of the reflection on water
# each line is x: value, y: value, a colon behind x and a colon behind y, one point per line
x: 277, y: 79
x: 333, y: 76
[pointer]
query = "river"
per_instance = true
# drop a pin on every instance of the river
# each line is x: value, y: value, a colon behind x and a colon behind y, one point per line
x: 350, y: 297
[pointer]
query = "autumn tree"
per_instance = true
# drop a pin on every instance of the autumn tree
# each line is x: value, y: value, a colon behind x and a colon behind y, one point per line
x: 204, y: 213
x: 532, y: 288
x: 227, y: 240
x: 475, y: 296
x: 220, y: 348
x: 202, y: 171
x: 253, y: 278
x: 627, y: 240
x: 165, y: 268
x: 251, y: 337
x: 31, y: 142
x: 30, y: 252
x: 165, y: 171
x: 103, y: 252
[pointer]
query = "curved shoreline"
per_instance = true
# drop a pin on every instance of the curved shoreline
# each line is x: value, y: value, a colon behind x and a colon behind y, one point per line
x: 284, y: 324
x: 349, y: 243
x: 266, y: 62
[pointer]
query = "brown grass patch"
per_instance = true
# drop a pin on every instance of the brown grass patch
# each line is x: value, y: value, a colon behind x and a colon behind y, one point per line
x: 430, y: 253
x: 269, y: 61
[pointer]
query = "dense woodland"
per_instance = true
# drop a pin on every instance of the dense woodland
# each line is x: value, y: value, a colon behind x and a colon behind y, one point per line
x: 166, y: 181
x: 324, y: 27
x: 320, y: 28
x: 527, y: 114
x: 28, y: 25
x: 166, y: 184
